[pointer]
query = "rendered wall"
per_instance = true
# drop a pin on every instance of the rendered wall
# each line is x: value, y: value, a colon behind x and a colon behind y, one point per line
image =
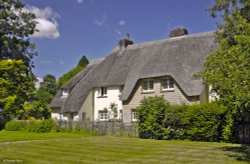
x: 175, y: 96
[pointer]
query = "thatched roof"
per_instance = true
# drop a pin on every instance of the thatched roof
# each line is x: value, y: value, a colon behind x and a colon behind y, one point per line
x: 180, y: 57
x: 58, y: 101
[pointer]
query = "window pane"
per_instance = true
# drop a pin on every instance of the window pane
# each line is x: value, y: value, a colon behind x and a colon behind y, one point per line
x: 167, y: 83
x: 171, y: 83
x: 145, y: 85
x: 164, y: 84
x: 151, y: 85
x: 103, y: 115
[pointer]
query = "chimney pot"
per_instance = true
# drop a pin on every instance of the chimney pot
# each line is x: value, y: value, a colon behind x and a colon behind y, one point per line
x: 125, y: 42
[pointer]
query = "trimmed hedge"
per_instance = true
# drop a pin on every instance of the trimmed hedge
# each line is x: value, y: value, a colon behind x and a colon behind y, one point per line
x: 158, y: 119
x: 15, y: 125
x: 38, y: 126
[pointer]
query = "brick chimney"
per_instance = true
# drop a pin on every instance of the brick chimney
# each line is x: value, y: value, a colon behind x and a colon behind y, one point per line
x: 180, y: 31
x: 125, y: 42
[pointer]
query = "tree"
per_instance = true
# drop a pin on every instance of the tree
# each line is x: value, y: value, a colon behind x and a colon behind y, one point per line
x: 48, y: 84
x: 227, y: 69
x: 15, y: 26
x: 16, y: 86
x: 16, y: 53
x: 83, y: 62
x: 39, y: 107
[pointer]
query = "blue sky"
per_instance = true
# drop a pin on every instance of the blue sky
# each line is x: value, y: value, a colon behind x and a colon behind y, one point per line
x: 72, y: 28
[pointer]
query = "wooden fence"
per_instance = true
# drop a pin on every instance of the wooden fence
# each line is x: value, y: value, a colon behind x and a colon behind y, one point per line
x: 104, y: 128
x: 243, y: 134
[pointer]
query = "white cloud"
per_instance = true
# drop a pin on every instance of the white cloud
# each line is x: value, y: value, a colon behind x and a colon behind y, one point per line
x: 118, y: 32
x: 47, y: 25
x: 122, y: 22
x: 79, y: 1
x: 100, y: 22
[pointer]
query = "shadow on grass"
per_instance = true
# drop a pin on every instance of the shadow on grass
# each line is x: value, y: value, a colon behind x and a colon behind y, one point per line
x: 241, y: 153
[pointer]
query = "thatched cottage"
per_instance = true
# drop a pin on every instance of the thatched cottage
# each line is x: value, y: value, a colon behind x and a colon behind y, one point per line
x: 112, y: 87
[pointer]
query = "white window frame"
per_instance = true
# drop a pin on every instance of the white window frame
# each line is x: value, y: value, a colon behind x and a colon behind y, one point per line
x: 65, y: 93
x: 120, y: 114
x: 148, y: 86
x: 133, y: 115
x: 167, y: 84
x: 103, y: 92
x: 103, y: 115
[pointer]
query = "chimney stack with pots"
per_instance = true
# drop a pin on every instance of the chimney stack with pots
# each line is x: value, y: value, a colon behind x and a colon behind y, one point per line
x: 125, y: 42
x: 180, y: 31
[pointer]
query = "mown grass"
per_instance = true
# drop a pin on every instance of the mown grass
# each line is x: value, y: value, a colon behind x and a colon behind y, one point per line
x: 10, y: 136
x: 107, y: 149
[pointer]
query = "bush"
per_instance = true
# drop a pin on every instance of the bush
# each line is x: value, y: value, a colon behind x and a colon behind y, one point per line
x: 151, y: 112
x: 204, y: 122
x: 15, y: 125
x: 159, y: 120
x: 38, y: 126
x: 43, y: 126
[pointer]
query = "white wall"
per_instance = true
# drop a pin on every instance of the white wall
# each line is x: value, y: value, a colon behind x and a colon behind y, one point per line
x: 87, y: 107
x: 57, y: 117
x: 113, y: 96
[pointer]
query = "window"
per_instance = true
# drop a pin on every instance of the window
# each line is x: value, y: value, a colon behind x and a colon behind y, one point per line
x: 133, y: 115
x: 65, y: 92
x: 120, y: 116
x: 83, y: 116
x: 102, y: 92
x: 71, y: 116
x: 148, y: 86
x: 167, y: 84
x: 103, y: 115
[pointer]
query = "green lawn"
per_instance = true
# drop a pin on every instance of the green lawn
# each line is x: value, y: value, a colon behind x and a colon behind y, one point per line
x: 73, y: 148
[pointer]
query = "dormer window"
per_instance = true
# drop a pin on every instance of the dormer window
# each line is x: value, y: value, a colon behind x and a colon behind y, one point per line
x: 148, y: 86
x: 167, y: 84
x: 65, y: 92
x: 102, y: 92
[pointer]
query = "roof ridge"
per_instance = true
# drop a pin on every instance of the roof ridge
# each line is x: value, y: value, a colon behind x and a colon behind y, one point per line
x: 157, y: 42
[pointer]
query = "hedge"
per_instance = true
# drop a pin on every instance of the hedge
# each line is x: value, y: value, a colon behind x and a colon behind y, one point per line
x: 158, y: 119
x: 38, y: 126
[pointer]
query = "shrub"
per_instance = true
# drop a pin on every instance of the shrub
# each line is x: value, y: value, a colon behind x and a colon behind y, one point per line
x: 204, y: 122
x: 151, y: 112
x: 15, y: 125
x: 43, y: 126
x: 159, y: 120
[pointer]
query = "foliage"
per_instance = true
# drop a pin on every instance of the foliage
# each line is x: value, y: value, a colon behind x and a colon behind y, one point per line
x: 16, y: 86
x: 83, y: 62
x: 48, y: 84
x: 200, y: 122
x: 77, y: 130
x: 151, y: 112
x: 32, y: 125
x: 227, y: 69
x: 16, y: 53
x: 37, y: 109
x: 43, y: 126
x: 16, y: 24
x: 204, y: 122
x: 15, y: 125
x: 39, y: 106
x: 112, y: 111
